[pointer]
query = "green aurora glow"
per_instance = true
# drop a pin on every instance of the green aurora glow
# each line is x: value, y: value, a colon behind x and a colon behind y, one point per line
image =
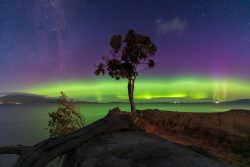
x: 154, y: 89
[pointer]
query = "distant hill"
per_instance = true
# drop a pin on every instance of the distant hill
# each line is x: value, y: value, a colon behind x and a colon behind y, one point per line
x: 16, y: 98
x: 239, y: 101
x: 27, y: 98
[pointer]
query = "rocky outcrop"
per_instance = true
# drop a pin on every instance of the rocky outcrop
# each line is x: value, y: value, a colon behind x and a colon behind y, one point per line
x: 136, y: 148
x: 213, y: 134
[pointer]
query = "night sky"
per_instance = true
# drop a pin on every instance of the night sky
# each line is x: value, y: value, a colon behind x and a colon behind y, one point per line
x: 51, y: 45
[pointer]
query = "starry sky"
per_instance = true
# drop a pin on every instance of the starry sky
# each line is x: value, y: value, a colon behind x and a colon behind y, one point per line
x: 51, y: 45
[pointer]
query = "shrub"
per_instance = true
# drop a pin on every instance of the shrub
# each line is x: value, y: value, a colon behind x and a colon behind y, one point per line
x: 66, y: 119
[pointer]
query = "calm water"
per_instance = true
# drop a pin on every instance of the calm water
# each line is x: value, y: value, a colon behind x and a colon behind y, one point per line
x: 24, y: 124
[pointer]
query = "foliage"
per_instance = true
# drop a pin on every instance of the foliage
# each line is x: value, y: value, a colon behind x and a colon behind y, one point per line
x: 127, y: 55
x: 66, y: 119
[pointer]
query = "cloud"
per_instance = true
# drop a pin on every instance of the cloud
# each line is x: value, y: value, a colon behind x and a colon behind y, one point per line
x: 173, y: 26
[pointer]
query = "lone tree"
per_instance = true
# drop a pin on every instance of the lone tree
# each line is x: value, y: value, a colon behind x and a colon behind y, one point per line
x: 66, y: 119
x: 128, y: 57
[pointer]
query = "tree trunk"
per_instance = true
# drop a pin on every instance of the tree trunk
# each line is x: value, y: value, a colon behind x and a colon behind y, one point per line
x: 131, y: 82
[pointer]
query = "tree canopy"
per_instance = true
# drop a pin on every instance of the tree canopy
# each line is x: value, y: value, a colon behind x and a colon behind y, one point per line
x: 129, y: 56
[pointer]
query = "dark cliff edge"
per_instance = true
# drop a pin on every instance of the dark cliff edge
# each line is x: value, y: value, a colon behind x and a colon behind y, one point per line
x: 224, y: 136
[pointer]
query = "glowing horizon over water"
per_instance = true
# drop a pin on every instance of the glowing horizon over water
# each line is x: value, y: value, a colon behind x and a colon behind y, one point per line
x: 181, y: 88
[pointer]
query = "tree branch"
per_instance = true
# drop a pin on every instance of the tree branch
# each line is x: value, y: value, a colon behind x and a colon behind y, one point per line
x: 18, y: 149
